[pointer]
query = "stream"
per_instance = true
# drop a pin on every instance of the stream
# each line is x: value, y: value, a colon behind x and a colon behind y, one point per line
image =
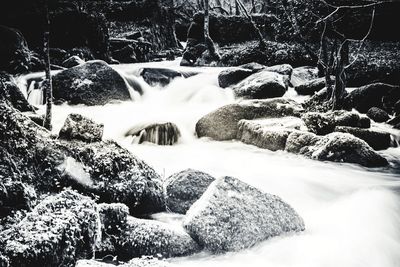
x: 351, y: 213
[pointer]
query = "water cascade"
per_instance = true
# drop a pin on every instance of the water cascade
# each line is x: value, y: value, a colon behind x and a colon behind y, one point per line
x: 351, y: 213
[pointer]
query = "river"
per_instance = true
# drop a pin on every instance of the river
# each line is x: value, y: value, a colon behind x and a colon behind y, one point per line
x: 351, y: 213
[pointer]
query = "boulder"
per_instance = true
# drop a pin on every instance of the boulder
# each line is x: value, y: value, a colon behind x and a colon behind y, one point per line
x: 125, y: 54
x: 222, y: 124
x: 310, y: 87
x: 78, y: 127
x: 157, y: 133
x: 14, y: 53
x: 378, y: 115
x: 302, y: 75
x: 232, y: 76
x: 270, y: 134
x: 378, y: 140
x: 72, y: 62
x: 283, y: 69
x: 184, y: 188
x: 232, y: 215
x: 10, y: 93
x: 391, y: 101
x: 254, y: 66
x: 261, y: 85
x: 92, y: 83
x: 369, y: 96
x: 112, y: 173
x: 324, y: 123
x: 336, y: 147
x: 102, y: 169
x: 153, y: 238
x: 59, y: 231
x: 15, y: 195
x: 162, y: 76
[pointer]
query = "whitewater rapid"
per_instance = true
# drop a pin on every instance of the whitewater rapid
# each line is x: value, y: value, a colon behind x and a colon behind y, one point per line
x: 352, y: 214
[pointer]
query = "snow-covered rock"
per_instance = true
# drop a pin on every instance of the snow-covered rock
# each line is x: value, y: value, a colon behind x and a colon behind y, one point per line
x: 222, y: 124
x: 182, y: 189
x: 232, y: 215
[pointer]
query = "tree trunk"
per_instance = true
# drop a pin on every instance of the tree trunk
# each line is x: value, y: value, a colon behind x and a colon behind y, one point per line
x: 342, y: 59
x: 263, y: 42
x: 209, y: 42
x: 49, y: 85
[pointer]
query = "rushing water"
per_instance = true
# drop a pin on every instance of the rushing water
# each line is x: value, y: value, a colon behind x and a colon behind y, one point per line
x: 352, y: 214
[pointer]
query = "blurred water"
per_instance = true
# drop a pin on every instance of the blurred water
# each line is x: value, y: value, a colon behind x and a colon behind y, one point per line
x: 352, y: 214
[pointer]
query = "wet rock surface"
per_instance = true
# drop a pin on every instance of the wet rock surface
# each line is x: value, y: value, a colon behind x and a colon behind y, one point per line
x: 92, y: 83
x: 163, y: 133
x: 222, y: 124
x: 336, y: 147
x: 232, y: 215
x: 261, y: 85
x: 184, y: 188
x: 77, y: 127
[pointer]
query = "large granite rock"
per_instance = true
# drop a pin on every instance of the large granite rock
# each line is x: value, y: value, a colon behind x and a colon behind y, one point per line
x: 310, y: 87
x: 232, y: 215
x: 222, y: 124
x: 370, y: 96
x: 270, y: 134
x: 261, y: 85
x: 59, y: 231
x: 337, y: 147
x: 184, y: 188
x: 92, y: 83
x: 378, y: 115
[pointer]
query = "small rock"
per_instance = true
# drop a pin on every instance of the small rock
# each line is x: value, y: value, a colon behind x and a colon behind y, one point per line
x: 232, y: 76
x: 78, y: 127
x: 157, y: 133
x: 72, y: 62
x: 232, y: 215
x: 184, y: 188
x: 377, y: 114
x: 302, y: 75
x: 310, y: 87
x: 254, y: 66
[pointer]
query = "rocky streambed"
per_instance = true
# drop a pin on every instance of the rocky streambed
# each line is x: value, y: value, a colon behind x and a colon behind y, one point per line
x: 245, y: 170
